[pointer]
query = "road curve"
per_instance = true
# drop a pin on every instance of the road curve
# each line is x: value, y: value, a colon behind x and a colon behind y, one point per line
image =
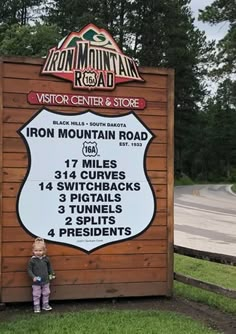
x: 205, y: 218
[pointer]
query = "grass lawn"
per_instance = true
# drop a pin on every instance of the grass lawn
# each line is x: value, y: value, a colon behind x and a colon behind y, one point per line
x: 219, y: 274
x: 105, y: 322
x: 233, y: 188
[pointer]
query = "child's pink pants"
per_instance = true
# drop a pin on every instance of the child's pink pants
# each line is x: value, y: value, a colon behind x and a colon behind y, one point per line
x: 41, y: 290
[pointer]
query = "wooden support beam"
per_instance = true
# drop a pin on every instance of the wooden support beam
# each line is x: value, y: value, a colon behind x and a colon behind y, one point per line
x: 205, y: 286
x: 213, y: 257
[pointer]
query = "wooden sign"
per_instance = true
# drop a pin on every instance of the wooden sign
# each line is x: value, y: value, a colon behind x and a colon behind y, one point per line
x: 94, y: 179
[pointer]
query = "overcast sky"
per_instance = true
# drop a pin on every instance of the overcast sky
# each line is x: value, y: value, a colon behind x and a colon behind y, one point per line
x: 217, y: 31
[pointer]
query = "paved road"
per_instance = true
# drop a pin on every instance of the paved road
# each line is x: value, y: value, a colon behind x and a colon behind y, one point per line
x: 205, y: 218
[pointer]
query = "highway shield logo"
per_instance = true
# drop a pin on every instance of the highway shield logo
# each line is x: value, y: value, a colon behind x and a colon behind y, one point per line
x: 86, y: 184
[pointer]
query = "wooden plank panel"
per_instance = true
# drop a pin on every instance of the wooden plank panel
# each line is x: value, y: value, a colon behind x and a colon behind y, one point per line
x: 157, y: 177
x: 18, y: 115
x: 157, y: 81
x: 154, y: 122
x: 10, y: 130
x: 24, y: 71
x: 20, y: 86
x: 84, y: 262
x: 153, y: 233
x: 161, y: 204
x: 15, y: 160
x: 154, y: 108
x: 10, y: 219
x: 86, y: 291
x: 170, y: 173
x: 112, y: 290
x: 157, y: 150
x: 1, y: 170
x: 19, y: 249
x: 23, y: 60
x: 13, y: 145
x: 91, y: 276
x: 160, y: 190
x: 156, y: 163
x: 14, y: 174
x: 160, y: 136
x: 11, y: 234
x: 18, y: 110
x: 10, y: 189
x: 9, y: 204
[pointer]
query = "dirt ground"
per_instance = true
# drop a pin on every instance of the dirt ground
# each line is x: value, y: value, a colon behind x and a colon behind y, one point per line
x: 224, y: 323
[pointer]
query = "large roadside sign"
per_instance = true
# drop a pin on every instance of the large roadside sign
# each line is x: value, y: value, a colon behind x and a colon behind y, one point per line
x: 86, y: 184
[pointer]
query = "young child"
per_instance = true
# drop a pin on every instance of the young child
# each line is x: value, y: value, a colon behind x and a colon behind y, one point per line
x: 41, y: 272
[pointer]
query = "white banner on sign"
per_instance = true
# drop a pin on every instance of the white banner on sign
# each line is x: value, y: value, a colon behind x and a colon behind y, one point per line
x: 86, y: 184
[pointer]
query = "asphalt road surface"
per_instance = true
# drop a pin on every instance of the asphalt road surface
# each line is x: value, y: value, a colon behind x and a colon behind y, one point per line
x: 205, y: 218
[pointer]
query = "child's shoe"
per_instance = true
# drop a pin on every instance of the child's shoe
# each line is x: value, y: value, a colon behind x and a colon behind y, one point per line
x: 47, y: 307
x: 37, y: 309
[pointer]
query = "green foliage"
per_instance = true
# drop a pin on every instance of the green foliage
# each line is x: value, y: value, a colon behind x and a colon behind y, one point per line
x: 183, y: 181
x: 234, y: 188
x: 18, y: 12
x: 220, y: 142
x: 219, y: 12
x: 106, y: 322
x: 220, y: 110
x: 221, y: 303
x: 69, y: 15
x: 211, y: 272
x: 165, y: 36
x: 28, y: 40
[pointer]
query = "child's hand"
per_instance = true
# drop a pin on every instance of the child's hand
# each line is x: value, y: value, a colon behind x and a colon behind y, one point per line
x: 52, y: 276
x: 37, y: 279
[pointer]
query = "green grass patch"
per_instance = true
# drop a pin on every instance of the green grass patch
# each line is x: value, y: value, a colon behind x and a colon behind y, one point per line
x: 183, y: 181
x: 105, y: 322
x: 233, y: 188
x: 215, y: 273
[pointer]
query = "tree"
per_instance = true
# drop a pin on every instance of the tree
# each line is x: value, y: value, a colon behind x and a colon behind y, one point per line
x: 221, y: 113
x: 73, y: 15
x: 221, y: 11
x: 18, y: 11
x: 222, y: 108
x: 165, y: 36
x: 29, y: 40
x: 68, y: 15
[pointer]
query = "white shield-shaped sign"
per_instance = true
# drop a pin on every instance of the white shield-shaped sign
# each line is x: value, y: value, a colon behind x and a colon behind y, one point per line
x: 86, y: 184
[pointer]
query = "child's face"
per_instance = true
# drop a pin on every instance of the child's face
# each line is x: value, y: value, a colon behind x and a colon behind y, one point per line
x: 38, y: 251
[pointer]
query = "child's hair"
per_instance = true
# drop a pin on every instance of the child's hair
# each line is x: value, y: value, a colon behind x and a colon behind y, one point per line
x: 39, y: 242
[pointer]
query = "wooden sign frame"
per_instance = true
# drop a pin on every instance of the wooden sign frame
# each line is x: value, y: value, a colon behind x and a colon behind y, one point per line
x: 141, y: 266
